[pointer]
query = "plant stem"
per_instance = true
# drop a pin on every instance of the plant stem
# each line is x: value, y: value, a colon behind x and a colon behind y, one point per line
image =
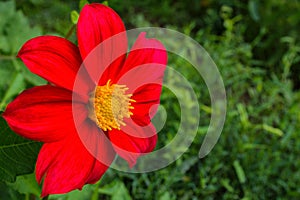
x: 27, y: 196
x: 70, y: 31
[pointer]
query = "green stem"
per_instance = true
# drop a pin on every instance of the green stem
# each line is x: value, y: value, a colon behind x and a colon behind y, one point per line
x: 27, y: 196
x: 95, y: 194
x: 70, y: 31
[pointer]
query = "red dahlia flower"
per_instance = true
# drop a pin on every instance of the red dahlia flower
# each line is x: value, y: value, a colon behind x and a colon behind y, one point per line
x: 76, y: 125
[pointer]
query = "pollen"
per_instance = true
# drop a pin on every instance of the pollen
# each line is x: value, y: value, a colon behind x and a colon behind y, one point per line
x: 109, y: 104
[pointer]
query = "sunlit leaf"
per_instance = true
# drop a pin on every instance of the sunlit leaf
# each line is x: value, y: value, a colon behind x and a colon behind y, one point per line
x: 74, y: 16
x: 239, y: 171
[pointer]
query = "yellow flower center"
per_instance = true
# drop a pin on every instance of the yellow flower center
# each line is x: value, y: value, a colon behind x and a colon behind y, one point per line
x: 109, y: 105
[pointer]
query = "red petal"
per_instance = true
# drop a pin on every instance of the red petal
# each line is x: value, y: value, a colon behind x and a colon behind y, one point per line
x: 53, y: 58
x: 146, y: 51
x: 98, y: 145
x: 147, y: 100
x: 132, y: 141
x: 65, y: 166
x: 97, y: 172
x: 68, y: 165
x: 96, y: 26
x: 43, y: 113
x: 97, y: 23
x: 143, y: 74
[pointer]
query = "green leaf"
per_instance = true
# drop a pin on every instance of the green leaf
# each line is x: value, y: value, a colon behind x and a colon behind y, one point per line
x: 28, y: 75
x: 7, y: 70
x: 105, y: 3
x: 82, y: 3
x: 17, y: 155
x: 187, y: 164
x: 9, y: 193
x: 226, y: 184
x: 84, y: 194
x: 74, y: 16
x: 14, y: 28
x: 7, y: 10
x: 165, y: 196
x: 272, y: 130
x: 19, y: 31
x: 116, y: 190
x: 32, y: 78
x: 243, y: 115
x: 4, y: 45
x: 253, y: 10
x: 239, y: 171
x: 36, y: 2
x: 26, y: 184
x: 17, y: 84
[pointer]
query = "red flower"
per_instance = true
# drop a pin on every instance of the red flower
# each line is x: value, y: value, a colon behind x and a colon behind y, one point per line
x: 76, y: 151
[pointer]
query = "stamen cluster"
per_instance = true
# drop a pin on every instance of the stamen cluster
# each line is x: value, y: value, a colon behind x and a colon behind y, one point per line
x: 109, y: 105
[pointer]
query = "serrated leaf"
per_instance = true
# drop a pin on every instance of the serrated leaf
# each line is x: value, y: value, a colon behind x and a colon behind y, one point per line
x: 16, y: 28
x: 17, y: 155
x: 19, y: 31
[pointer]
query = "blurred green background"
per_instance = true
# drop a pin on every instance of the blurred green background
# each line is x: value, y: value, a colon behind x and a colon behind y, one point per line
x: 256, y: 47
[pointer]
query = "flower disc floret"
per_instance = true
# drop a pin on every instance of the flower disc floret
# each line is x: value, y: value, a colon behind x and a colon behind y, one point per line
x: 109, y: 105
